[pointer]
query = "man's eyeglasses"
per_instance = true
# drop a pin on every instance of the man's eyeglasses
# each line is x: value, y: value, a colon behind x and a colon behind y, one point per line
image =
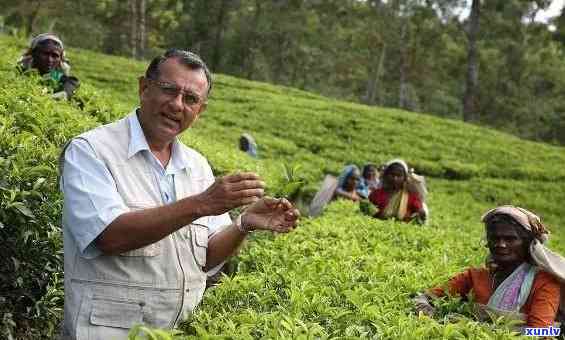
x: 189, y: 98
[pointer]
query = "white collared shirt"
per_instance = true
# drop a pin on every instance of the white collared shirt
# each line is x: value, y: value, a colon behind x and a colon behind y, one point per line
x: 92, y: 201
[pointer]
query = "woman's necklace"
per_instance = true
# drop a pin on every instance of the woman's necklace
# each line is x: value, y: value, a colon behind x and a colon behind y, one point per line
x: 493, y: 281
x: 497, y: 278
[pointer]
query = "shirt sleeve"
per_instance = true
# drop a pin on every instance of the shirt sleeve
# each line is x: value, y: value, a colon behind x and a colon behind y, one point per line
x: 217, y: 223
x: 91, y: 200
x: 460, y: 284
x: 544, y: 301
x: 415, y: 203
x: 376, y: 198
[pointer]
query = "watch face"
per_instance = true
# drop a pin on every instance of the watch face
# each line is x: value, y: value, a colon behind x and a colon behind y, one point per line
x: 238, y: 224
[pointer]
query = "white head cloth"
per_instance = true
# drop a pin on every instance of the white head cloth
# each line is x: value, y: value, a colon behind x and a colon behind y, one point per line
x: 26, y: 60
x: 542, y: 256
x: 414, y: 183
x: 45, y: 36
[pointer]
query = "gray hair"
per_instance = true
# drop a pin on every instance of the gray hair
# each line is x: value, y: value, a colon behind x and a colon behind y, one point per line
x: 187, y: 58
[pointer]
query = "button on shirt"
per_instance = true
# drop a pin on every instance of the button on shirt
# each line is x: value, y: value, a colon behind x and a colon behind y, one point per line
x: 91, y: 199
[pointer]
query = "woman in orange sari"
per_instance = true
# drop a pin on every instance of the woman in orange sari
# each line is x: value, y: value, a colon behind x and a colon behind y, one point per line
x: 522, y: 278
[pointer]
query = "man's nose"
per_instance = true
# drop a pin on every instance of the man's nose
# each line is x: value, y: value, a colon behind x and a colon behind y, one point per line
x: 501, y: 243
x: 177, y: 102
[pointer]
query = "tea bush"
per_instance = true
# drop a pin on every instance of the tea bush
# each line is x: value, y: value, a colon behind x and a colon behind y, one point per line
x: 32, y: 129
x: 343, y: 275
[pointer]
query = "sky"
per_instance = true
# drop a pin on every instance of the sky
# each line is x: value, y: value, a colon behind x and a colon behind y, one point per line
x: 553, y: 10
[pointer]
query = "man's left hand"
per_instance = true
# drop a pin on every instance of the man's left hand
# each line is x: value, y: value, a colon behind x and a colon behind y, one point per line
x: 273, y: 214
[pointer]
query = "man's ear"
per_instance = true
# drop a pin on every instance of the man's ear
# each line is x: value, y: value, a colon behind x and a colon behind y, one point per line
x: 203, y: 108
x: 200, y: 111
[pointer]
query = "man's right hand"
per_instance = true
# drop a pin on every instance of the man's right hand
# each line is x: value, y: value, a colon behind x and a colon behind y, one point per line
x: 230, y: 192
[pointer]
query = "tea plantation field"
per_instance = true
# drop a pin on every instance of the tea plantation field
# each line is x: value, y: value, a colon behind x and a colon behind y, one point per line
x: 340, y: 276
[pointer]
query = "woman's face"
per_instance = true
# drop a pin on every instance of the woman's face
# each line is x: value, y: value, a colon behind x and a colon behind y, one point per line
x: 47, y: 57
x: 371, y: 174
x: 395, y: 177
x: 352, y: 181
x: 505, y: 244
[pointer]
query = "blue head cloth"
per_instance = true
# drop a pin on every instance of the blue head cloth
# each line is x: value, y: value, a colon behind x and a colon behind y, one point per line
x: 345, y: 174
x: 247, y: 143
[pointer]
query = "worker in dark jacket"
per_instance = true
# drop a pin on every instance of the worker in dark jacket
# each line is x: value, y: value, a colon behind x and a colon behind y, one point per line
x: 46, y: 55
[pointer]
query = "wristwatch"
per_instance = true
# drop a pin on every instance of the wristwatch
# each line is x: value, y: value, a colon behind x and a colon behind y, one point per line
x: 239, y: 225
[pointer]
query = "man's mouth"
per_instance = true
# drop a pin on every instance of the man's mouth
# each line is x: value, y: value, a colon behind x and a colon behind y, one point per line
x: 171, y: 121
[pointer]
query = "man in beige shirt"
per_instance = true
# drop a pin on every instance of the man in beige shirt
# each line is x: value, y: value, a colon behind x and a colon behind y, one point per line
x: 144, y: 219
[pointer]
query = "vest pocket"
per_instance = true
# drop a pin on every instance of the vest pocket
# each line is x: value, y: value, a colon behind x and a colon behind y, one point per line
x: 118, y: 314
x: 199, y: 237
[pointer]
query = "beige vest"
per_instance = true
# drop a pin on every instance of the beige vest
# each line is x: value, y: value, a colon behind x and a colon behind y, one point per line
x: 157, y: 285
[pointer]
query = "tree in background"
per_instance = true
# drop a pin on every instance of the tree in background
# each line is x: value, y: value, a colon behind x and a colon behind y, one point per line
x: 419, y: 55
x: 520, y: 70
x: 470, y: 100
x: 137, y: 24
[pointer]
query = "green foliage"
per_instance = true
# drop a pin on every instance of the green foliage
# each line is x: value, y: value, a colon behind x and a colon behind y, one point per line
x: 33, y: 127
x: 364, y: 51
x: 367, y: 208
x: 449, y: 308
x: 344, y: 275
x: 141, y: 332
x: 290, y: 183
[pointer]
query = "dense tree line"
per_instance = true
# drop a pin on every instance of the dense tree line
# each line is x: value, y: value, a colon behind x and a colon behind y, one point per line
x: 497, y: 66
